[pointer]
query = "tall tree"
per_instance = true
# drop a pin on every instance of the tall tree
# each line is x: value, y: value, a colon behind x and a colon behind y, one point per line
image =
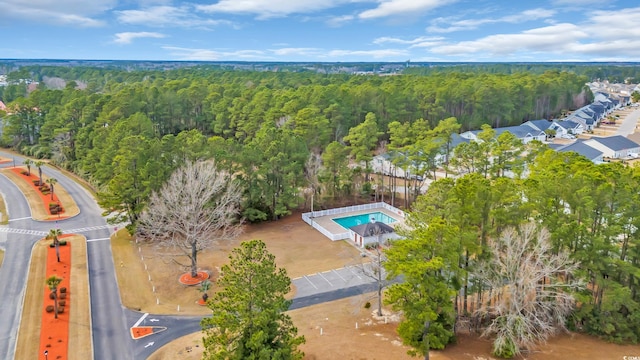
x: 362, y: 140
x: 248, y: 318
x: 195, y: 209
x: 426, y: 260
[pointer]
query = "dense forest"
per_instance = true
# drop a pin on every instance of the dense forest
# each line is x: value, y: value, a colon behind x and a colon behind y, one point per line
x: 134, y: 128
x: 288, y: 135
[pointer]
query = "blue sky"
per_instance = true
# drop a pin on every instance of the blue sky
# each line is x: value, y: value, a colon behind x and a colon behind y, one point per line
x: 322, y: 30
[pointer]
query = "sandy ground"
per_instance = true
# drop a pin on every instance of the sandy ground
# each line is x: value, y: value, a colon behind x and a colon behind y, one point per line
x: 80, y: 317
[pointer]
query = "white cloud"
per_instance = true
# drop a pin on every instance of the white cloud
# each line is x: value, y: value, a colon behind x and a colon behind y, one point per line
x: 549, y: 39
x: 290, y: 51
x: 418, y: 40
x: 470, y: 24
x: 610, y: 35
x: 402, y: 7
x: 166, y: 16
x: 128, y: 37
x: 337, y: 21
x: 63, y: 12
x: 376, y: 54
x: 212, y: 55
x: 264, y: 9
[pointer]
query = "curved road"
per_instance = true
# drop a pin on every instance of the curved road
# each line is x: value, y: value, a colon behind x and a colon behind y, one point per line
x: 110, y: 320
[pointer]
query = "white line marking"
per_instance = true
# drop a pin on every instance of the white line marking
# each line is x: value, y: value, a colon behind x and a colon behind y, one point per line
x: 101, y: 239
x: 340, y: 276
x: 325, y: 279
x: 310, y: 282
x: 144, y: 316
x: 354, y: 273
x: 23, y: 218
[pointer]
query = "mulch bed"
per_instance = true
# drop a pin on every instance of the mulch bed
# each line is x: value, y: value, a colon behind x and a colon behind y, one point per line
x: 54, y: 333
x: 187, y: 279
x: 45, y: 199
x: 139, y: 332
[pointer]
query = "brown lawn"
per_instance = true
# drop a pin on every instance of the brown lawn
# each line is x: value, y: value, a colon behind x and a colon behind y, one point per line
x: 297, y: 247
x: 4, y: 216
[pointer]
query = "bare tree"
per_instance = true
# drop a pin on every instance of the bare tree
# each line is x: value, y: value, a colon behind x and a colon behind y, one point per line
x: 374, y: 269
x: 530, y: 290
x: 194, y: 210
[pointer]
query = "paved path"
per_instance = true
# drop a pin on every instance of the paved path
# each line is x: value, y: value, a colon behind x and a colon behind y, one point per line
x: 628, y: 125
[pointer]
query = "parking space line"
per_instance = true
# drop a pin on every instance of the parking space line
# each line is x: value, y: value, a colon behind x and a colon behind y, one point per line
x: 354, y: 273
x: 311, y: 282
x: 325, y: 279
x: 340, y: 276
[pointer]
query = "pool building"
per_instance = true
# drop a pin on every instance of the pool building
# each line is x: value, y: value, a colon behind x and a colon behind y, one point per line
x: 362, y: 224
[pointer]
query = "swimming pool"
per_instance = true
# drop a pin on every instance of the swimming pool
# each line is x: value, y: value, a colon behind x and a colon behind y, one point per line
x: 348, y: 222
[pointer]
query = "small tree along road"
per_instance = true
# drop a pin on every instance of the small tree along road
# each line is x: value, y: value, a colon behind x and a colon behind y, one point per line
x: 248, y: 316
x: 195, y: 209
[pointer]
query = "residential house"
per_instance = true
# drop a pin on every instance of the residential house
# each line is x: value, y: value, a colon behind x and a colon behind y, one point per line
x: 523, y: 132
x: 583, y: 149
x: 565, y: 129
x: 615, y: 147
x: 540, y: 125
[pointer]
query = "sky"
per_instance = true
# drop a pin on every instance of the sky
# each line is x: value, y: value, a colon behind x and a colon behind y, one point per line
x: 322, y: 30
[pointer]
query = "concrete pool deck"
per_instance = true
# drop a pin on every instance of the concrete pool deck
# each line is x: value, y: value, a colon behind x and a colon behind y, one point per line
x: 322, y: 220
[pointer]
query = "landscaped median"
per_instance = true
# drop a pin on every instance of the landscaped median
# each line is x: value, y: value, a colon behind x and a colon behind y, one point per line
x: 68, y: 336
x: 44, y: 204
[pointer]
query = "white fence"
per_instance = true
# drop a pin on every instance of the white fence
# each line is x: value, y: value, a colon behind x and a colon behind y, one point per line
x: 309, y: 216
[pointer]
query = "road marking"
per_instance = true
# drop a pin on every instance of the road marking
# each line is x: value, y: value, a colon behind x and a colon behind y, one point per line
x: 340, y: 276
x: 101, y: 239
x: 149, y: 344
x: 23, y: 231
x: 85, y: 229
x: 141, y: 319
x: 325, y: 279
x: 22, y: 218
x: 154, y: 320
x: 359, y: 277
x: 310, y: 282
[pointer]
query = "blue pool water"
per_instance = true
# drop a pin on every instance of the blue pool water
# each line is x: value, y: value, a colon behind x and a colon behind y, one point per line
x: 351, y: 221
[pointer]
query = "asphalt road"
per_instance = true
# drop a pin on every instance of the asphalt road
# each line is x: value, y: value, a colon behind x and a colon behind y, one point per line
x: 110, y: 320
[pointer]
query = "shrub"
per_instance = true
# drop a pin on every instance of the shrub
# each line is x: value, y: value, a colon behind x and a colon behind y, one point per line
x: 49, y: 308
x: 24, y: 172
x: 367, y: 305
x: 63, y: 289
x: 63, y: 296
x: 62, y: 302
x: 60, y: 309
x: 51, y: 296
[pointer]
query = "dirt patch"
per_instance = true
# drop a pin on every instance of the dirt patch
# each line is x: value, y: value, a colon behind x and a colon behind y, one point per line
x: 375, y: 339
x: 297, y: 247
x: 1, y: 256
x: 79, y: 316
x: 38, y: 202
